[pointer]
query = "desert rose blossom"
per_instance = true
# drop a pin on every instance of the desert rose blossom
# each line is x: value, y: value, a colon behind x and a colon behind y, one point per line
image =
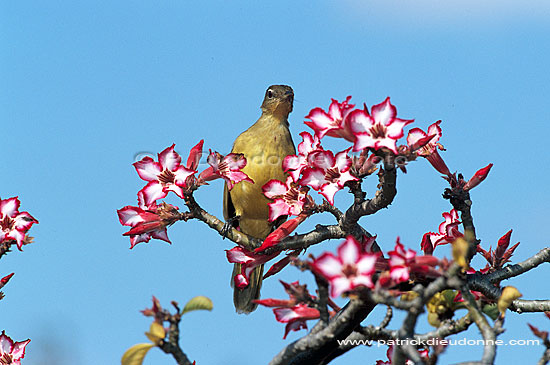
x: 350, y: 269
x: 288, y: 198
x: 225, y: 167
x: 334, y: 123
x: 403, y: 263
x: 294, y: 164
x: 14, y: 225
x: 295, y: 317
x: 11, y: 352
x: 163, y: 176
x: 147, y: 220
x: 448, y: 230
x: 377, y: 129
x: 294, y: 311
x: 416, y: 140
x: 249, y: 261
x: 327, y: 173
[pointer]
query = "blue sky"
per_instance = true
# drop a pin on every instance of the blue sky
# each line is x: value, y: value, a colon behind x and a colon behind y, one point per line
x: 86, y: 86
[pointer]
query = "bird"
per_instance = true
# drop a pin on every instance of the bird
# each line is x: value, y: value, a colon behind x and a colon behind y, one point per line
x: 264, y: 145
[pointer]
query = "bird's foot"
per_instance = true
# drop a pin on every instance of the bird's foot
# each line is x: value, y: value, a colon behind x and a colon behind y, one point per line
x: 228, y: 225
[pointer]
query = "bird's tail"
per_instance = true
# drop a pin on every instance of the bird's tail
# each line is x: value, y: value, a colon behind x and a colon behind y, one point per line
x: 243, y: 298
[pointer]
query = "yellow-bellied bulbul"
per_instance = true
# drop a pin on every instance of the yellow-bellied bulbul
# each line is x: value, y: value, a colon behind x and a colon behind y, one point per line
x: 265, y: 144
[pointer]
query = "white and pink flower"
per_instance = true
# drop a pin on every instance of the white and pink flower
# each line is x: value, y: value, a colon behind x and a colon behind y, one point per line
x: 400, y: 262
x: 334, y: 123
x: 295, y: 317
x: 11, y: 352
x: 249, y: 261
x: 227, y: 168
x: 448, y: 230
x: 288, y: 198
x: 352, y: 268
x: 146, y: 221
x: 327, y: 173
x: 294, y: 164
x: 416, y: 139
x: 14, y: 225
x: 163, y: 176
x: 378, y: 129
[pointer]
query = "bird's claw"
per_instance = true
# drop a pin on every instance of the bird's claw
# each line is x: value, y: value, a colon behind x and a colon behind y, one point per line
x: 228, y: 225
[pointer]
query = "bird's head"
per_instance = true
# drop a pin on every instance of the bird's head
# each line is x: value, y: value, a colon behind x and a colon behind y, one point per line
x: 278, y: 100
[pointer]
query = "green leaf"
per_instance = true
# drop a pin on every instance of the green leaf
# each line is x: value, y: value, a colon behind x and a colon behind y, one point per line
x: 135, y: 354
x: 491, y: 310
x: 198, y: 303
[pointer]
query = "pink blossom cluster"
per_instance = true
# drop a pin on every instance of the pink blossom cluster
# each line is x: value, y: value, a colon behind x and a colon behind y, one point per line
x: 149, y: 219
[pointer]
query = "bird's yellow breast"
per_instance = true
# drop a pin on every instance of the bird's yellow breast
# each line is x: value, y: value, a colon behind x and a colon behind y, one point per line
x: 264, y: 145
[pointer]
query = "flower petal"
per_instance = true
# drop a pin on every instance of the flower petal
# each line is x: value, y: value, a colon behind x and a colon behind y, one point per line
x: 384, y: 112
x: 278, y: 208
x: 130, y: 216
x: 153, y: 191
x: 328, y: 266
x: 340, y: 285
x: 9, y: 207
x: 313, y: 177
x: 274, y: 188
x: 148, y: 169
x: 170, y: 159
x: 349, y: 251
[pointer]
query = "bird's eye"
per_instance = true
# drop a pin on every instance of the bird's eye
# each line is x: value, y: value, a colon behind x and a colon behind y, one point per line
x: 269, y: 94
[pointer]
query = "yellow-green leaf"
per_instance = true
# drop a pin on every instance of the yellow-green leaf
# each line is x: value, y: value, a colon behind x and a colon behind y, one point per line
x: 509, y: 294
x: 135, y: 354
x: 460, y: 250
x: 156, y: 333
x: 198, y: 303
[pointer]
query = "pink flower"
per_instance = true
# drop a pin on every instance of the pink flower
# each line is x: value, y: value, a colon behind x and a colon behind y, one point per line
x: 13, y: 224
x: 379, y: 129
x: 478, y: 177
x: 294, y: 311
x: 147, y: 221
x: 327, y: 173
x: 166, y: 175
x: 11, y: 352
x: 295, y: 317
x: 288, y: 198
x: 294, y: 164
x: 350, y: 269
x: 448, y: 230
x: 416, y: 139
x: 248, y: 260
x: 228, y: 168
x: 404, y: 263
x: 334, y: 123
x: 400, y: 262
